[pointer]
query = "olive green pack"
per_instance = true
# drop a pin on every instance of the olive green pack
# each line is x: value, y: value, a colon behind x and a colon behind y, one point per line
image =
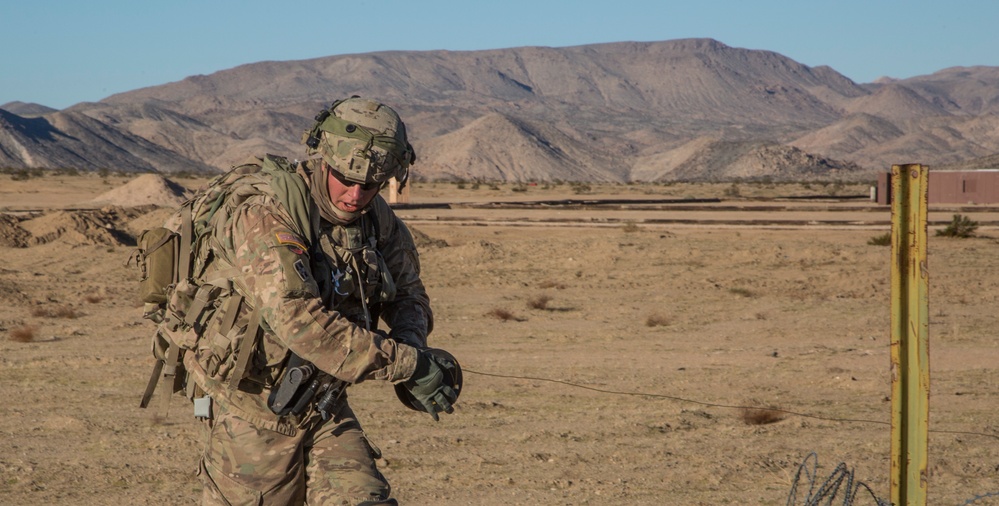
x: 182, y: 284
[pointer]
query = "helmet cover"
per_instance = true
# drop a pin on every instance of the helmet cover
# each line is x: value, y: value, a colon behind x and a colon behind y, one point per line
x: 363, y: 140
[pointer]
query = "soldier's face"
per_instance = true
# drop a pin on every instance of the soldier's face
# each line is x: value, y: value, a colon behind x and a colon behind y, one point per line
x: 349, y: 196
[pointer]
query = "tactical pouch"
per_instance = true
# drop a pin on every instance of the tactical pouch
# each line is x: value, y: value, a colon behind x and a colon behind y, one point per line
x: 164, y: 338
x: 179, y: 305
x: 156, y: 256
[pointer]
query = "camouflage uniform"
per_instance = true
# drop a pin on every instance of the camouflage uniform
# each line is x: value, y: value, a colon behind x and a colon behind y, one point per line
x: 254, y: 456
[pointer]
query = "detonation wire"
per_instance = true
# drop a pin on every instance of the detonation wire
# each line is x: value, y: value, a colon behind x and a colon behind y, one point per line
x: 713, y: 404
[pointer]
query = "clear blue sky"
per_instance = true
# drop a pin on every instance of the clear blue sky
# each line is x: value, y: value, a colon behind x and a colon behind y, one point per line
x: 61, y: 52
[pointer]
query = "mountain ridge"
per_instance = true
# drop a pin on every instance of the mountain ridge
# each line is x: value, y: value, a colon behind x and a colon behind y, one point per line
x: 618, y: 111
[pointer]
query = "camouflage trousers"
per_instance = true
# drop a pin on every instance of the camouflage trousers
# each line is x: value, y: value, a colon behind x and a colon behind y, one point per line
x: 330, y: 463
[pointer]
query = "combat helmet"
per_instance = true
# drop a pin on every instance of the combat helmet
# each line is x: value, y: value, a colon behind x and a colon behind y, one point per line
x: 363, y: 140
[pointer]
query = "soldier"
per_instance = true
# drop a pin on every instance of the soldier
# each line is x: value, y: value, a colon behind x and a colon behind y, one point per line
x: 281, y: 431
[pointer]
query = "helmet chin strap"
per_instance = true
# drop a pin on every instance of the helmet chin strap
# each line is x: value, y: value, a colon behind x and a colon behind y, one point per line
x: 343, y: 217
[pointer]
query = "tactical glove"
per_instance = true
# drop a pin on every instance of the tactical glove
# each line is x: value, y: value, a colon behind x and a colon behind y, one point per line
x: 429, y: 385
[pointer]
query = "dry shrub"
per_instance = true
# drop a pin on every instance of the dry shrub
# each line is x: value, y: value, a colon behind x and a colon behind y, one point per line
x: 539, y: 302
x: 59, y: 312
x: 761, y: 416
x: 656, y: 320
x: 741, y: 292
x: 630, y: 227
x: 503, y: 315
x: 880, y: 240
x: 93, y: 298
x: 23, y: 334
x: 66, y: 312
x: 960, y: 227
x: 549, y: 283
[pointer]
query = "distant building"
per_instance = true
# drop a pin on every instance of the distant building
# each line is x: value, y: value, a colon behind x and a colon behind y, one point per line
x: 394, y: 196
x: 952, y: 187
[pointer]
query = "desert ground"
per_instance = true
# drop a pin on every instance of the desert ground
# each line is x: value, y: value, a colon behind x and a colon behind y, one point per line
x: 612, y: 355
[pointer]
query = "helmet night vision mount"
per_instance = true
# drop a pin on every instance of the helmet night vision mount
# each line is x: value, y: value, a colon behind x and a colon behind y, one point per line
x: 362, y: 140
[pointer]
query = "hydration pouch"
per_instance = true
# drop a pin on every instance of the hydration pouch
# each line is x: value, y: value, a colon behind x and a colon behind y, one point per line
x: 156, y: 256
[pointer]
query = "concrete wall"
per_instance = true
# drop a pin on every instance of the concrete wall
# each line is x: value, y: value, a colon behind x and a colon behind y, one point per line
x: 952, y: 187
x: 964, y: 187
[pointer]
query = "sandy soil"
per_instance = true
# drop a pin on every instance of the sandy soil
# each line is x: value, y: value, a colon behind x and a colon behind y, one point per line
x: 607, y: 360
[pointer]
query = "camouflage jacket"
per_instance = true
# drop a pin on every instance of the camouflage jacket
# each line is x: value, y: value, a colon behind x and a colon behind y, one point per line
x: 287, y: 281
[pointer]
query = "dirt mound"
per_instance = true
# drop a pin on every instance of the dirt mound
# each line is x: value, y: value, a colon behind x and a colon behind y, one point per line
x: 708, y: 159
x: 103, y: 226
x: 148, y: 189
x: 155, y: 217
x: 11, y: 233
x: 424, y: 241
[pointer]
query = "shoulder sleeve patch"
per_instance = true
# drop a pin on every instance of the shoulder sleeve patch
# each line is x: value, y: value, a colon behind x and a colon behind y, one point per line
x: 303, y: 272
x: 290, y: 239
x: 295, y: 273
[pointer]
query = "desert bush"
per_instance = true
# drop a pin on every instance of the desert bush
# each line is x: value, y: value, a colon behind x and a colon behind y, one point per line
x: 960, y: 226
x: 732, y: 191
x: 880, y: 240
x: 503, y: 315
x: 65, y: 312
x: 741, y: 292
x: 67, y: 171
x: 656, y: 320
x: 92, y: 298
x: 581, y: 188
x: 23, y: 334
x: 59, y: 312
x: 519, y: 188
x: 25, y: 174
x: 550, y: 283
x: 185, y: 174
x: 630, y: 227
x: 539, y: 302
x: 761, y: 416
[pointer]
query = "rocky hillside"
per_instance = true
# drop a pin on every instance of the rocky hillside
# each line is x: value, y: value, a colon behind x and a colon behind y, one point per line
x: 691, y: 109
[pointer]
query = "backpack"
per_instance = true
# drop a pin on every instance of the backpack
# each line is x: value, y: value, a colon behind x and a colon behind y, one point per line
x: 183, y: 281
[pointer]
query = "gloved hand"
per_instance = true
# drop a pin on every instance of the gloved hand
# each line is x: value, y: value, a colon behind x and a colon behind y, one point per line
x: 428, y: 384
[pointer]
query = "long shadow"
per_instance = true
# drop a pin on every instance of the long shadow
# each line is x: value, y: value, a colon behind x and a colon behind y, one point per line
x: 34, y: 128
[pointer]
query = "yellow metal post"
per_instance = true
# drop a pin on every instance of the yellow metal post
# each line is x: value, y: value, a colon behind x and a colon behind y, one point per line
x: 910, y: 369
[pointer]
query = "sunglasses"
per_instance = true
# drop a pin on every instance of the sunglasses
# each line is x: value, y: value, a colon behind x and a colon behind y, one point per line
x: 349, y: 184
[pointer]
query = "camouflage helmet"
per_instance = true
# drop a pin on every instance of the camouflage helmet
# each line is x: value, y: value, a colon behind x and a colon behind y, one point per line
x: 363, y: 140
